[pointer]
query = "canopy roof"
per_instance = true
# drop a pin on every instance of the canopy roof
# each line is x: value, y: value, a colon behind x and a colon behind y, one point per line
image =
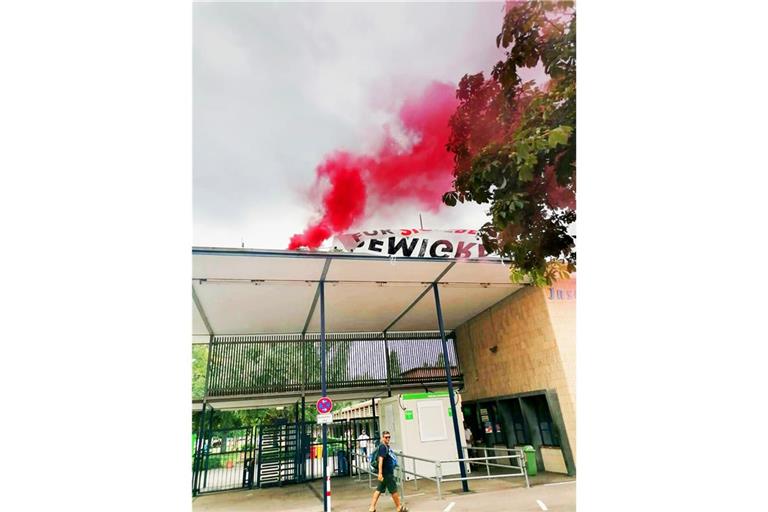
x: 248, y: 291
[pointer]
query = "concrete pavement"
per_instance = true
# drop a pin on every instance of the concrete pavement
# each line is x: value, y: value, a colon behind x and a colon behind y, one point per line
x: 548, y: 492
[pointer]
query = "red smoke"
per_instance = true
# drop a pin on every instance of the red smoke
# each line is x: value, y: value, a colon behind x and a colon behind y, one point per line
x: 358, y: 183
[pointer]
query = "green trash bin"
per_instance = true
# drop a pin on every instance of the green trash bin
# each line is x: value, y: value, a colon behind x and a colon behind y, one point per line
x: 530, y: 459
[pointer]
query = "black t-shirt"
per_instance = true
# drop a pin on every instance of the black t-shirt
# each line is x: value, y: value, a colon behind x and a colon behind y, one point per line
x: 386, y: 466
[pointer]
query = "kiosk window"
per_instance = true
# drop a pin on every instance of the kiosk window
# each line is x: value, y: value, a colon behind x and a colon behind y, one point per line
x: 432, y: 421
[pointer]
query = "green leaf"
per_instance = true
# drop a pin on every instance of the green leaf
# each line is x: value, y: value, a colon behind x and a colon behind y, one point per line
x: 526, y: 172
x: 559, y: 136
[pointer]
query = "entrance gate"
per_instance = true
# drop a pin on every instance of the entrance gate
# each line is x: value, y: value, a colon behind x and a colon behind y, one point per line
x: 224, y: 460
x: 277, y: 455
x: 285, y: 453
x: 293, y: 452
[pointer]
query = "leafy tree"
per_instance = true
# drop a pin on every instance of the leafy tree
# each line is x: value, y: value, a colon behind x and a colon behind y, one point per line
x: 514, y: 143
x: 199, y: 363
x: 395, y: 371
x: 311, y: 363
x: 337, y: 365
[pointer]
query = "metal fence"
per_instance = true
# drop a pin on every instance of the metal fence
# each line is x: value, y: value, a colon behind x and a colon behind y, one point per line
x: 264, y: 364
x: 223, y: 460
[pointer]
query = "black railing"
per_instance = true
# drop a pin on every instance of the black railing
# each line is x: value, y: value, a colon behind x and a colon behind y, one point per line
x: 264, y: 364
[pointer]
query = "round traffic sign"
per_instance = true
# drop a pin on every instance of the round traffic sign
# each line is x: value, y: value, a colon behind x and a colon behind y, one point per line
x: 324, y: 405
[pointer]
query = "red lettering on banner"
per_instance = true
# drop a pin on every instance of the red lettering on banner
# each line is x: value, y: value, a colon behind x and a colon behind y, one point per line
x: 405, y: 232
x: 462, y: 250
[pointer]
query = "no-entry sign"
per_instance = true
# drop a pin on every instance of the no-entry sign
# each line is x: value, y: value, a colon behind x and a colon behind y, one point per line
x: 324, y: 405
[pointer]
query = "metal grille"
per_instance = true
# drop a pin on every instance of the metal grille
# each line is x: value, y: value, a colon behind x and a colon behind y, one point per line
x: 264, y: 364
x: 224, y: 460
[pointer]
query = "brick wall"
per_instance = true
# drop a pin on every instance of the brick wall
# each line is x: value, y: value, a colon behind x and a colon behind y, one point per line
x: 561, y: 304
x: 536, y: 350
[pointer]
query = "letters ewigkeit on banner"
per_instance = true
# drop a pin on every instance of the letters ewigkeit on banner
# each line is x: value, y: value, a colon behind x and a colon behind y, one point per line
x: 414, y: 243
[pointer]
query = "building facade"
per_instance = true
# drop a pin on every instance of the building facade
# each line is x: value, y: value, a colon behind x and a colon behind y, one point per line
x: 358, y: 410
x: 518, y: 358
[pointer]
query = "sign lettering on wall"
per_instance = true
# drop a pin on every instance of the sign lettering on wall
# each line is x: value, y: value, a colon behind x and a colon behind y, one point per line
x: 562, y: 290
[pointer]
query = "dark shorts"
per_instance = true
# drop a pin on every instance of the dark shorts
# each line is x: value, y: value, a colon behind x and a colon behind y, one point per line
x: 389, y: 483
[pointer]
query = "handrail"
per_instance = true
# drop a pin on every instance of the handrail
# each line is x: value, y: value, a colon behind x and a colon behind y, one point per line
x: 472, y: 459
x: 511, y: 453
x: 494, y: 448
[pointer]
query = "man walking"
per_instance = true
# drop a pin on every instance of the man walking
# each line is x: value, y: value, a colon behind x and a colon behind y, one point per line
x: 386, y: 475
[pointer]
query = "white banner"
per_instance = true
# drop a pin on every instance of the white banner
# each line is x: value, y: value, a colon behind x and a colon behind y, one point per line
x: 414, y: 243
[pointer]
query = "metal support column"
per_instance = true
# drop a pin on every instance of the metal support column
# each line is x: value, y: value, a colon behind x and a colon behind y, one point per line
x: 209, y: 439
x: 323, y: 391
x: 451, y: 396
x: 305, y: 447
x: 199, y: 444
x: 208, y: 367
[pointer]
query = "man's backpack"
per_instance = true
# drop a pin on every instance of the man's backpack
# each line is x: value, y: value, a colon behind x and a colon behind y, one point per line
x: 374, y: 459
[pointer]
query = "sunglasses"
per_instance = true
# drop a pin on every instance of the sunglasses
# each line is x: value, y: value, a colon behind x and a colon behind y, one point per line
x: 387, y: 437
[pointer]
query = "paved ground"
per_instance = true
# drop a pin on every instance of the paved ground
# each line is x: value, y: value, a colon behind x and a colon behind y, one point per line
x: 555, y: 492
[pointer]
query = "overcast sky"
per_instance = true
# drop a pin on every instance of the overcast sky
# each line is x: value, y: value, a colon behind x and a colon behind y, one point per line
x: 279, y: 86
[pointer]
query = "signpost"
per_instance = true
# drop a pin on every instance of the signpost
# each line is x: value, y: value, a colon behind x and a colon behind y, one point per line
x: 323, y: 390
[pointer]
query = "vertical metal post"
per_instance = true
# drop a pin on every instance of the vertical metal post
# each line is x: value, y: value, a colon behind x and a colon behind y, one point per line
x: 323, y: 391
x: 524, y: 466
x: 439, y: 479
x: 208, y: 447
x: 258, y: 462
x: 304, y: 450
x: 198, y: 450
x: 303, y: 364
x: 451, y: 396
x: 208, y: 366
x: 389, y: 375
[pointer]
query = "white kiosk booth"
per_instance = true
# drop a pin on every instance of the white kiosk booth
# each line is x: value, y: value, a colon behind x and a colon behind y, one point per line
x: 421, y: 426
